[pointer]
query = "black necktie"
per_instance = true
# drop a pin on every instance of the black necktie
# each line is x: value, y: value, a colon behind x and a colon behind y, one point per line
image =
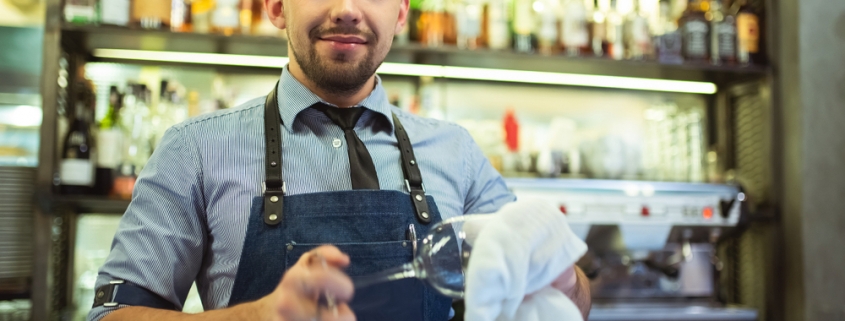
x: 361, y: 168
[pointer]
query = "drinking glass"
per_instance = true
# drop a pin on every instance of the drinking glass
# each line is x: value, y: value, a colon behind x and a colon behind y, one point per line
x: 440, y: 260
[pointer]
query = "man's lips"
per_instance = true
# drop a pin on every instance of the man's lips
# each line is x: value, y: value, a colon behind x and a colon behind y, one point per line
x: 345, y: 39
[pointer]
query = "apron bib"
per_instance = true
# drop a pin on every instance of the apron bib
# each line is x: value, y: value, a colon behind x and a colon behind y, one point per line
x: 371, y: 226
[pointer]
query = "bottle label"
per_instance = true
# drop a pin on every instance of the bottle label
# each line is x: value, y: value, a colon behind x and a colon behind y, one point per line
x: 79, y: 172
x: 748, y: 27
x: 115, y: 12
x: 695, y: 32
x: 726, y: 40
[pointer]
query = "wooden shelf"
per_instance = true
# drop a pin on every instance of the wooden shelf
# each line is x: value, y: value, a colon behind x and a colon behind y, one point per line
x: 85, y: 39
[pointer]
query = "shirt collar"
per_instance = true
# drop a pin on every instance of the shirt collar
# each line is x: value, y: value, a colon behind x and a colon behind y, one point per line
x: 294, y: 97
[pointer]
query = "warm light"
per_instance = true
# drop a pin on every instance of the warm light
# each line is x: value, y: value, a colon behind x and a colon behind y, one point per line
x: 707, y: 212
x: 402, y: 69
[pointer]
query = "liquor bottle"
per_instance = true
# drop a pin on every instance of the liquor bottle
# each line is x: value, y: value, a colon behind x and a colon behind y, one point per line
x: 180, y: 15
x: 669, y: 39
x: 151, y: 14
x: 523, y: 25
x: 574, y: 33
x: 547, y: 29
x: 109, y: 144
x: 695, y: 30
x: 637, y: 33
x: 497, y: 18
x: 224, y: 19
x: 245, y: 17
x: 201, y: 15
x: 431, y: 23
x: 598, y: 38
x: 468, y: 21
x: 114, y: 12
x: 77, y: 167
x: 81, y: 11
x: 748, y: 34
x: 615, y: 32
x: 724, y: 35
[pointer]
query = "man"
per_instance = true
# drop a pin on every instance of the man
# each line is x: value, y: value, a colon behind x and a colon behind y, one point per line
x: 243, y: 198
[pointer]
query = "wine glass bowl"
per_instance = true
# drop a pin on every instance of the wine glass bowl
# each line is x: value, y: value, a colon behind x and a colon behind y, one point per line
x: 441, y: 260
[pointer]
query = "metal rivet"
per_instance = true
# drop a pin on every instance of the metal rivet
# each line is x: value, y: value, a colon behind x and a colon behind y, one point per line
x: 404, y: 244
x: 273, y: 164
x: 290, y: 247
x: 274, y: 199
x: 424, y: 215
x: 101, y: 294
x: 273, y: 217
x: 413, y: 162
x: 418, y: 198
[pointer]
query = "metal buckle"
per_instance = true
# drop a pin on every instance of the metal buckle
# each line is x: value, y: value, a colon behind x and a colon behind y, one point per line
x: 408, y: 186
x: 284, y: 187
x: 113, y: 293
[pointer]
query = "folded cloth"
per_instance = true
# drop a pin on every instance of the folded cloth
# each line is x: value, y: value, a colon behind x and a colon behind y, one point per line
x: 516, y: 255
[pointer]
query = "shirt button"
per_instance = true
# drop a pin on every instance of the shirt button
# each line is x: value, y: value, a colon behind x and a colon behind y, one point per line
x: 336, y: 143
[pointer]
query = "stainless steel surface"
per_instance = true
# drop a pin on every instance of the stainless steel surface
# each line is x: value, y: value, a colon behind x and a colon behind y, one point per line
x: 669, y: 312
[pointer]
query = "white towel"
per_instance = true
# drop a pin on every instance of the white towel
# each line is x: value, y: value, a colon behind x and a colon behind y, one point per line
x: 519, y: 251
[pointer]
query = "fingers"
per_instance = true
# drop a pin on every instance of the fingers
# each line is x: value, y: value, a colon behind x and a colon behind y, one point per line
x: 331, y: 254
x: 304, y: 309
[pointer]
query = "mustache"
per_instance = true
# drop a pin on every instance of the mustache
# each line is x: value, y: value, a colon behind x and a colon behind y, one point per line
x: 319, y: 32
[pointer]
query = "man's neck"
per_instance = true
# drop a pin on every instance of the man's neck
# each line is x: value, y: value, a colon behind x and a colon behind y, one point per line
x: 342, y: 100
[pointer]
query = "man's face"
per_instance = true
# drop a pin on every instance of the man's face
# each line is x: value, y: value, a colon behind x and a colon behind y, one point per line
x: 339, y: 44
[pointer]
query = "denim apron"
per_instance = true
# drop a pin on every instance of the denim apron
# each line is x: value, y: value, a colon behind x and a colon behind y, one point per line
x: 371, y: 226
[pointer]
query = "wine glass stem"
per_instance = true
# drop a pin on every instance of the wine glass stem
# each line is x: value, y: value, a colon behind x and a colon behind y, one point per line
x: 400, y: 272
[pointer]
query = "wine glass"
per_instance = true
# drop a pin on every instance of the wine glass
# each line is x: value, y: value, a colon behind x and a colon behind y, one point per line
x: 441, y: 260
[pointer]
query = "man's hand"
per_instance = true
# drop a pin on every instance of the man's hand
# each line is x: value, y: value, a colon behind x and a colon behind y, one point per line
x: 575, y: 284
x: 316, y: 276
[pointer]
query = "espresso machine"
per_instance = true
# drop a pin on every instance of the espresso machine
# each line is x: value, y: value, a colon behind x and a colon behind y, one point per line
x: 652, y: 245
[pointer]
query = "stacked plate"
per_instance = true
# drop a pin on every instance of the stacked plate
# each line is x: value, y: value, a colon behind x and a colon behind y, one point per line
x: 17, y: 198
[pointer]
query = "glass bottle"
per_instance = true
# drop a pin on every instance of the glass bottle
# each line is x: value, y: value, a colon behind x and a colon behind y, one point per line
x: 598, y: 40
x: 225, y: 18
x: 574, y: 33
x: 431, y: 23
x: 669, y: 41
x: 637, y: 35
x: 201, y: 15
x: 468, y: 20
x: 724, y: 35
x: 523, y: 25
x: 547, y: 28
x: 78, y: 164
x: 151, y: 14
x: 748, y: 34
x: 615, y: 32
x: 180, y: 15
x: 695, y: 30
x: 114, y: 12
x: 81, y: 11
x: 498, y: 35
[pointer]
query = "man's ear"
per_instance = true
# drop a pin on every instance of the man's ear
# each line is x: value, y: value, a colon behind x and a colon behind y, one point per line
x: 276, y: 12
x: 403, y: 16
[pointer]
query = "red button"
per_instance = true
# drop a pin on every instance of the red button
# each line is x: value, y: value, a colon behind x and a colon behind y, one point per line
x: 563, y: 209
x: 707, y: 212
x: 645, y: 211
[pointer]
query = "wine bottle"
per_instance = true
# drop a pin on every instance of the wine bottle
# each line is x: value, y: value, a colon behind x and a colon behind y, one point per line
x: 76, y: 169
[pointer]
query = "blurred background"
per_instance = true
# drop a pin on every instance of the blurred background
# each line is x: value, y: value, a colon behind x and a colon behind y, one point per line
x: 696, y: 145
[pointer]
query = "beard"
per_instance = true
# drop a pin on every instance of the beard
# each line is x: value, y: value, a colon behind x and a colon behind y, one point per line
x: 337, y: 74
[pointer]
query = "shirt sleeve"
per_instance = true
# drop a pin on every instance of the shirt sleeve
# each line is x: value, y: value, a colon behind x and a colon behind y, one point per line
x: 486, y: 189
x: 160, y: 242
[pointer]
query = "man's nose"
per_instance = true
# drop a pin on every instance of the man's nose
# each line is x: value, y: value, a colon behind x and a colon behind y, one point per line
x: 346, y: 12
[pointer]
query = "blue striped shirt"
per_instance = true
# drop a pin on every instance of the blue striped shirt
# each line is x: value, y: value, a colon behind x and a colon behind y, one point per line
x: 188, y: 216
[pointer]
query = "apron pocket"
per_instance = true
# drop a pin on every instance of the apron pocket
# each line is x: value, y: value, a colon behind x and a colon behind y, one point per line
x: 365, y: 257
